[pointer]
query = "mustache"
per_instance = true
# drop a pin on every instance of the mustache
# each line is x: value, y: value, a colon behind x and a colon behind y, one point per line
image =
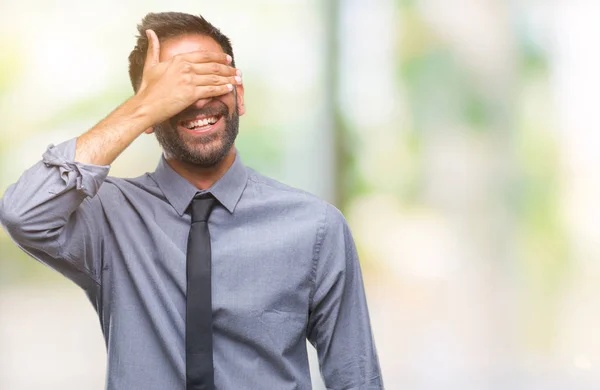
x: 211, y: 109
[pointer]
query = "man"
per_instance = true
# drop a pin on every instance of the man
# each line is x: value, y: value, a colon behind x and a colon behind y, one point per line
x: 223, y: 300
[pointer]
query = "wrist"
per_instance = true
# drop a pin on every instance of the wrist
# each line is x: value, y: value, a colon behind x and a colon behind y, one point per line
x: 139, y: 113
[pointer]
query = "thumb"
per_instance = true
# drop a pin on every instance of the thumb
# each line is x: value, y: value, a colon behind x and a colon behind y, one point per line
x: 152, y: 54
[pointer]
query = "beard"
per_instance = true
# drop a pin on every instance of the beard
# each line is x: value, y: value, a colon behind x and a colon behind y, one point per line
x: 199, y: 150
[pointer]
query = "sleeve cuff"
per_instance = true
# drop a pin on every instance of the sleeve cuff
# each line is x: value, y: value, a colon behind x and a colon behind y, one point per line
x: 86, y: 178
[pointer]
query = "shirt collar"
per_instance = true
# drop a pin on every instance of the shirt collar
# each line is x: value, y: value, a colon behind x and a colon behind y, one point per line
x: 180, y: 192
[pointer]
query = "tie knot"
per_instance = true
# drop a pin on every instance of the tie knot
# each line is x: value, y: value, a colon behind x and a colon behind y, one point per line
x: 201, y: 207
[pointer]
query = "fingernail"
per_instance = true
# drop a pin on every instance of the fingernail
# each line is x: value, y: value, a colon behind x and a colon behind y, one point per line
x: 238, y: 79
x: 229, y: 59
x: 230, y: 87
x: 238, y: 72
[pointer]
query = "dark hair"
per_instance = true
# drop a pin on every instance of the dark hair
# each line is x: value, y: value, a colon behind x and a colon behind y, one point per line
x: 168, y: 25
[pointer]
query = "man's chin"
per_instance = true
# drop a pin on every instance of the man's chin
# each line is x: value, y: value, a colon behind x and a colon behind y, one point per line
x: 202, y: 150
x: 205, y: 157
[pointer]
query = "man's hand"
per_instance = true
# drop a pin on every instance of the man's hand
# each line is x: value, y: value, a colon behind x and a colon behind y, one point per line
x: 169, y: 87
x: 166, y: 89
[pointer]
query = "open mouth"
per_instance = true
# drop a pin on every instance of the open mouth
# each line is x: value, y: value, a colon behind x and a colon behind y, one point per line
x: 201, y: 124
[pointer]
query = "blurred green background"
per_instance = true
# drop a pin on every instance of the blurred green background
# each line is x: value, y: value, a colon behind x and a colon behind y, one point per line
x: 456, y: 136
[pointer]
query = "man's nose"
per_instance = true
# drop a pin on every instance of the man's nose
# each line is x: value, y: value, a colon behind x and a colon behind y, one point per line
x: 201, y: 103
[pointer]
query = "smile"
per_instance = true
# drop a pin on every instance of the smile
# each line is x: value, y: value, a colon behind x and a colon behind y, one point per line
x: 201, y: 124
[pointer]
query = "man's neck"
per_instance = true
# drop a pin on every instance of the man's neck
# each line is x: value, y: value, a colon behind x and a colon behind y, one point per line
x: 202, y: 178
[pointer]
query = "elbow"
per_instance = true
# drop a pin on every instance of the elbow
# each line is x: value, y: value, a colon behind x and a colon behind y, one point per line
x: 27, y: 231
x: 12, y: 221
x: 21, y: 227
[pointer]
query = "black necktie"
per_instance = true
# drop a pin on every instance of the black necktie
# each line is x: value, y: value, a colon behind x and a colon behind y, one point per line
x: 198, y: 326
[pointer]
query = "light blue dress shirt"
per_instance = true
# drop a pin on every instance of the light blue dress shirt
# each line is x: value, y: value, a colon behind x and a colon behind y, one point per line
x: 284, y: 269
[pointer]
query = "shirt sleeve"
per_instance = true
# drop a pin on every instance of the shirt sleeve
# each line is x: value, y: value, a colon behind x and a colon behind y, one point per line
x: 52, y: 213
x: 339, y: 325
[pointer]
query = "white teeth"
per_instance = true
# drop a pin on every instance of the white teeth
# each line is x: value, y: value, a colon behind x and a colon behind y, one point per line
x: 201, y: 122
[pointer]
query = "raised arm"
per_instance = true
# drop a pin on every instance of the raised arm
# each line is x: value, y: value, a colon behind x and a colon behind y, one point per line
x: 52, y: 211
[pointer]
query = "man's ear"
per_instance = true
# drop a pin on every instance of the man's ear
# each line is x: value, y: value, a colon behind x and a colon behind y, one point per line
x: 149, y: 130
x: 239, y: 89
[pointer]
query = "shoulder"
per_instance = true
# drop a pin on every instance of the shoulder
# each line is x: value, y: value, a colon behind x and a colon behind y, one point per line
x: 277, y: 192
x: 268, y: 184
x: 272, y: 189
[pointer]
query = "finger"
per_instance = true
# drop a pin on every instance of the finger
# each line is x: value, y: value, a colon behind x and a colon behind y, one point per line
x: 212, y: 79
x: 215, y: 69
x: 205, y: 56
x: 153, y: 52
x: 206, y: 91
